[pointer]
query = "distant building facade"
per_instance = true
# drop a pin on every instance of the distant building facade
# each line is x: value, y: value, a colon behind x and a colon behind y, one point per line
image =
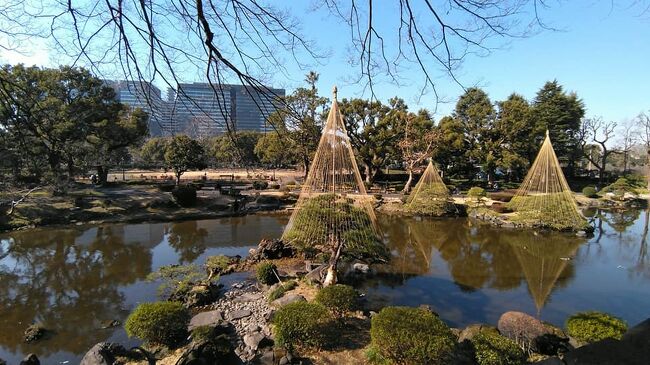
x: 199, y: 109
x: 144, y: 95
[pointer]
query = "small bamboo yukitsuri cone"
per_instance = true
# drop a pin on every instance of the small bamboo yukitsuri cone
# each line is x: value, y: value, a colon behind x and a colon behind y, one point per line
x: 430, y: 196
x: 544, y: 198
x: 334, y: 213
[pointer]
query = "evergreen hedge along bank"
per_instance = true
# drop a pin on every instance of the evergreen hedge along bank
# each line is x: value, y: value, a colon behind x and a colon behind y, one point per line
x: 403, y: 335
x: 163, y: 323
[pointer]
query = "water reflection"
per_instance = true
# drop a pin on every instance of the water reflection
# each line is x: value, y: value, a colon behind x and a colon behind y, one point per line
x: 74, y: 280
x: 67, y: 283
x: 477, y: 258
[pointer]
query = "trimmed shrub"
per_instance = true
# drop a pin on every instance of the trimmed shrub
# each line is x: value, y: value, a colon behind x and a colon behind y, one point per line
x: 494, y: 349
x: 301, y: 324
x: 339, y: 299
x: 595, y: 326
x: 184, y: 195
x: 476, y: 193
x: 374, y: 356
x: 260, y: 185
x: 281, y: 289
x: 162, y: 323
x: 589, y: 192
x: 406, y: 335
x: 266, y: 273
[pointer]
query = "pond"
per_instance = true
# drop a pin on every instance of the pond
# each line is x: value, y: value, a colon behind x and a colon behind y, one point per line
x: 74, y: 279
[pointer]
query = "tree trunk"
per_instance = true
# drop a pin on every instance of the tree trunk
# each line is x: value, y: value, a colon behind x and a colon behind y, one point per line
x: 368, y: 172
x: 305, y: 165
x: 407, y: 186
x: 625, y: 157
x: 102, y: 175
x: 331, y: 277
x: 178, y: 178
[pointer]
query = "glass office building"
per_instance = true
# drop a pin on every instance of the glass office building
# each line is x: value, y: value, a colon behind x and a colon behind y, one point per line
x: 199, y: 109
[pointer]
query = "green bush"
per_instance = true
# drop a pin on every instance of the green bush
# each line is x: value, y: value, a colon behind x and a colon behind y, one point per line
x: 162, y: 323
x: 589, y: 192
x: 184, y: 195
x: 476, y: 193
x: 302, y: 324
x: 405, y: 335
x: 281, y: 289
x: 339, y: 299
x: 374, y: 356
x: 266, y: 273
x: 494, y: 349
x: 595, y: 326
x: 274, y: 186
x: 260, y: 185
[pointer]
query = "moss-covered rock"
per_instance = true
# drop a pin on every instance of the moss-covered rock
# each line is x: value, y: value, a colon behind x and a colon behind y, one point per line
x: 595, y: 326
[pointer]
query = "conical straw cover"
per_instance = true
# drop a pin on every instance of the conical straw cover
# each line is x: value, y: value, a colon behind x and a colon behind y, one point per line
x: 430, y: 196
x: 544, y: 196
x: 333, y: 204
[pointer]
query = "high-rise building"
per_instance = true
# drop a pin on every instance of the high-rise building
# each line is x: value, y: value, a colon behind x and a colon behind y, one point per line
x: 203, y: 110
x: 199, y: 109
x: 144, y: 95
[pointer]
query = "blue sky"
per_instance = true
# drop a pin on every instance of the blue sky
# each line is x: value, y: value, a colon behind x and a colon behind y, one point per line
x: 600, y: 52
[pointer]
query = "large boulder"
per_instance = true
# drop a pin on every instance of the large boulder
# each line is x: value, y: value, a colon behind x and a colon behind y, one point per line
x: 102, y: 353
x: 521, y: 327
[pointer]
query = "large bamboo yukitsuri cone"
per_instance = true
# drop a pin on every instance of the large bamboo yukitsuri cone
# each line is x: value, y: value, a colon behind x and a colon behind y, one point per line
x: 544, y: 198
x: 333, y: 213
x: 430, y: 196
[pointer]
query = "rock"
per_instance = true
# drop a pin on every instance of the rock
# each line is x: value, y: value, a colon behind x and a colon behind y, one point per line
x: 428, y: 308
x: 248, y: 297
x: 102, y: 353
x: 554, y: 360
x: 253, y: 327
x: 581, y: 233
x: 30, y: 359
x: 34, y: 333
x: 238, y: 314
x: 551, y: 344
x: 267, y: 358
x: 211, y: 318
x: 521, y: 327
x: 272, y: 249
x: 283, y: 361
x: 2, y: 362
x: 256, y: 340
x: 316, y: 275
x: 201, y: 295
x: 472, y: 330
x: 288, y: 299
x: 361, y: 268
x: 110, y: 323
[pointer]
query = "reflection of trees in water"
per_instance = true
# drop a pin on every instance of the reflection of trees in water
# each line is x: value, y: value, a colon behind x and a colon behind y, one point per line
x: 482, y: 257
x: 69, y: 287
x: 620, y: 219
x: 642, y: 265
x: 187, y: 239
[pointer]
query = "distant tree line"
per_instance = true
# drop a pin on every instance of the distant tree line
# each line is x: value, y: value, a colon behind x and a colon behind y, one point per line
x: 58, y: 123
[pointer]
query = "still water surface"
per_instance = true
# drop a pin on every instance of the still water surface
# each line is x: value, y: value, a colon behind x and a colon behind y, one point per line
x: 74, y: 279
